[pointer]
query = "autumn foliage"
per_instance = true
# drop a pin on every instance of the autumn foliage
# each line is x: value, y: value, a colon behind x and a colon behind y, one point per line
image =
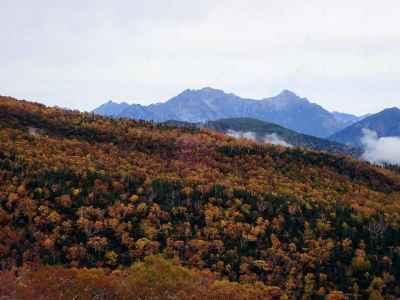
x: 99, y: 208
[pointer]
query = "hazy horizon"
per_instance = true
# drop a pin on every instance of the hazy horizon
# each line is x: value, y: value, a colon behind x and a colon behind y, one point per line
x: 342, y: 56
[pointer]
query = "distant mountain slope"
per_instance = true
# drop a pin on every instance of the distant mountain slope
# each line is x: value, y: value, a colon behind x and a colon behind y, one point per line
x: 263, y: 131
x: 207, y: 104
x: 348, y: 119
x: 385, y: 123
x: 111, y: 109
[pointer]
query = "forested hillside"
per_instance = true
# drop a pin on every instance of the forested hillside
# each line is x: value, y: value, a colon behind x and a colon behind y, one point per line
x: 82, y: 191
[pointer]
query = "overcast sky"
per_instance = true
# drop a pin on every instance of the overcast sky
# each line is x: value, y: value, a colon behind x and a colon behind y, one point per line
x: 343, y: 55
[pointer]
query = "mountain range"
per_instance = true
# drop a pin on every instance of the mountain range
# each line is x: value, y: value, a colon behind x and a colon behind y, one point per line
x: 207, y: 104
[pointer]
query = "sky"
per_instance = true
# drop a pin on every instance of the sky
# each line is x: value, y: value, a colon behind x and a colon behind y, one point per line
x: 79, y: 54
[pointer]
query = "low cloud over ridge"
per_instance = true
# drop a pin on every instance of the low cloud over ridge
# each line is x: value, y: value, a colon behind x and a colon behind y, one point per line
x: 272, y: 138
x: 380, y: 150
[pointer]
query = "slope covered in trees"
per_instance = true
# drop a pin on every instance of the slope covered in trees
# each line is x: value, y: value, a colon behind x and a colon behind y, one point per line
x: 79, y: 190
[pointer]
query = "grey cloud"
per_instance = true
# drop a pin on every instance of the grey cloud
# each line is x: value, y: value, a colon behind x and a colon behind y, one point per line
x: 82, y: 53
x: 272, y: 138
x: 380, y: 150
